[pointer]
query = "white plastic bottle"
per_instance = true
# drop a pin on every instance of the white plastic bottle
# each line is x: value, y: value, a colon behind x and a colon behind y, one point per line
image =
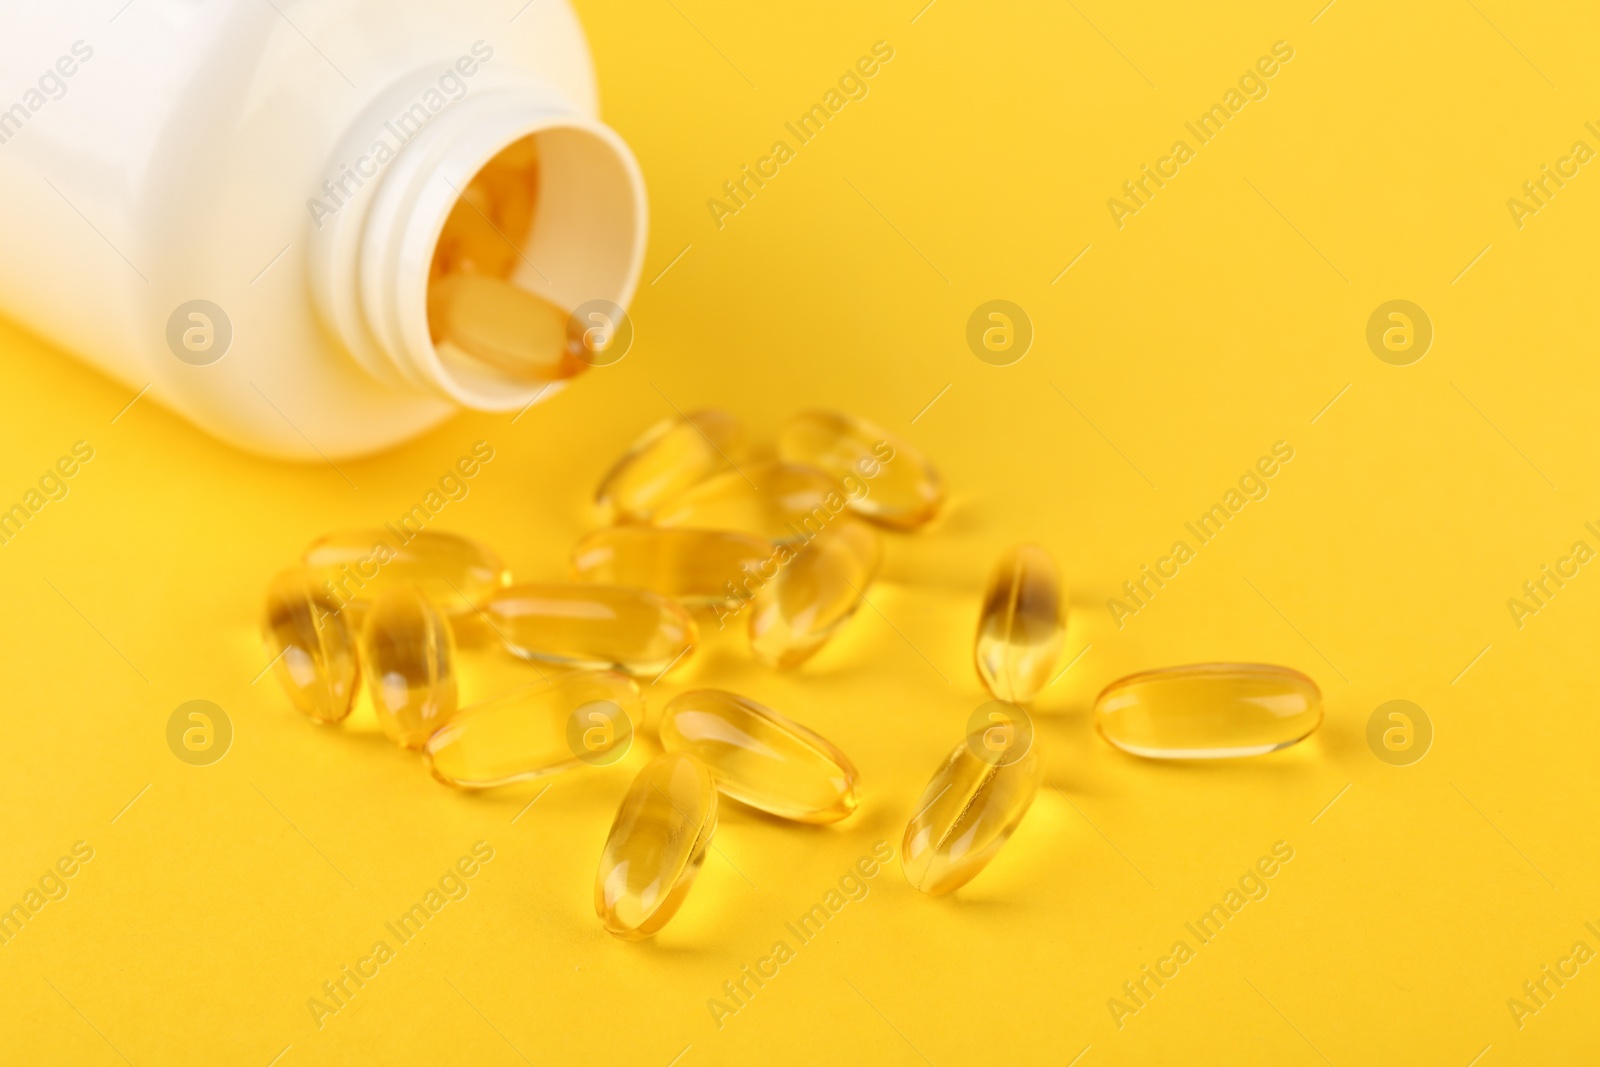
x: 236, y: 202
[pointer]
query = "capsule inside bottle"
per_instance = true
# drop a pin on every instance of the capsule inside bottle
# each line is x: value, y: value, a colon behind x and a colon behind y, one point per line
x: 902, y: 488
x: 479, y: 317
x: 1022, y: 625
x: 761, y: 758
x: 493, y: 217
x: 773, y: 501
x: 816, y: 589
x: 537, y: 730
x: 472, y: 242
x: 1209, y: 711
x: 598, y: 627
x: 656, y: 846
x: 694, y: 566
x: 455, y: 573
x: 313, y: 647
x: 967, y: 812
x: 409, y: 656
x: 672, y: 456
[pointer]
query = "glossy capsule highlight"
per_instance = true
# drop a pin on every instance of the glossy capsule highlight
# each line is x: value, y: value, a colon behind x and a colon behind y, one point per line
x: 455, y: 573
x: 1209, y: 711
x: 409, y: 656
x: 1022, y: 625
x: 672, y: 456
x: 782, y: 502
x: 694, y: 566
x: 813, y: 593
x: 967, y: 812
x: 761, y: 758
x: 656, y: 846
x: 313, y: 647
x: 598, y: 627
x: 902, y: 488
x: 537, y: 730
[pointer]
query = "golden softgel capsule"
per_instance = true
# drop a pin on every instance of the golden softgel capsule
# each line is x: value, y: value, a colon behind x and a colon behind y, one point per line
x: 1022, y: 625
x: 903, y: 489
x: 695, y: 566
x: 602, y: 627
x: 455, y: 573
x: 815, y: 591
x: 544, y: 728
x: 761, y: 758
x: 774, y: 501
x: 673, y: 455
x: 656, y: 846
x: 507, y: 327
x: 494, y: 215
x: 409, y: 657
x: 1209, y: 711
x: 970, y: 807
x: 313, y: 646
x: 471, y: 241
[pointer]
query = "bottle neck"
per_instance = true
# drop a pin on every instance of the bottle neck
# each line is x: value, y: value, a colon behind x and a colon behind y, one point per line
x: 371, y: 257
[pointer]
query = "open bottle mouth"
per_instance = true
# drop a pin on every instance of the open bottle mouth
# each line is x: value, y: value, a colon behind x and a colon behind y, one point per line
x: 548, y: 225
x: 474, y: 270
x: 495, y: 306
x: 478, y: 316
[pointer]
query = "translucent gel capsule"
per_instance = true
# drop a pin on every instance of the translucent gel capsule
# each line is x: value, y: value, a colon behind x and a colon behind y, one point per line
x: 1209, y: 711
x: 528, y: 733
x: 814, y: 592
x: 1022, y: 625
x: 903, y: 489
x: 595, y: 626
x: 497, y: 323
x: 511, y: 180
x: 313, y: 647
x: 471, y: 241
x: 967, y: 811
x: 760, y: 758
x: 673, y: 455
x: 691, y: 565
x: 775, y: 501
x: 655, y: 847
x: 493, y: 216
x: 409, y: 657
x: 456, y: 573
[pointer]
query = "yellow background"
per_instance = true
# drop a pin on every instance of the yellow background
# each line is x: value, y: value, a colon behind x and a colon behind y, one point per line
x: 1224, y: 317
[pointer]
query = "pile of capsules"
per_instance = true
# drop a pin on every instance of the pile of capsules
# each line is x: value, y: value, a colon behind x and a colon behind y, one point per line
x: 698, y: 527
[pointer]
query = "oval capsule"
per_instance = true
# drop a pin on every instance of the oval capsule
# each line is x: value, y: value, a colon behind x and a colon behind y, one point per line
x: 1022, y: 625
x: 491, y: 219
x: 695, y: 566
x: 476, y: 317
x: 313, y: 647
x: 471, y: 241
x: 456, y: 573
x: 761, y: 758
x: 673, y: 455
x: 782, y: 502
x: 656, y: 846
x: 903, y: 489
x: 815, y: 591
x: 409, y: 656
x: 544, y: 728
x: 1209, y: 711
x: 967, y: 811
x: 601, y: 627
